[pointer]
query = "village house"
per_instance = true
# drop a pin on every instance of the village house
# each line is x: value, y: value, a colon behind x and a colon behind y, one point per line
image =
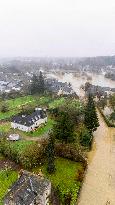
x: 28, y: 123
x: 29, y: 189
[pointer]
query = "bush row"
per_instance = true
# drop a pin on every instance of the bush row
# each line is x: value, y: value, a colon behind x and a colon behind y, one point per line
x: 29, y: 155
x: 32, y: 154
x: 69, y: 151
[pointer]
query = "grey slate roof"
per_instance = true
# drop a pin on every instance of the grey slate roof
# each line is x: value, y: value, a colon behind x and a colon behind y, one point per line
x: 26, y: 189
x: 29, y: 120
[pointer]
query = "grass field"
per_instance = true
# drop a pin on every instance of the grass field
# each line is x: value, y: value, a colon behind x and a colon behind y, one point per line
x: 15, y: 147
x: 5, y: 127
x: 21, y: 145
x: 7, y: 178
x: 15, y: 106
x: 64, y: 177
x: 57, y: 102
x: 28, y: 100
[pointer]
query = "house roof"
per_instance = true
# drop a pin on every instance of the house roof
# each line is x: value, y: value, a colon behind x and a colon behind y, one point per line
x: 29, y: 120
x: 26, y: 189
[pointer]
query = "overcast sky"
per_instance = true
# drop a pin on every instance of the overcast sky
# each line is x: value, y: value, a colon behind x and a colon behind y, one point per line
x: 57, y: 28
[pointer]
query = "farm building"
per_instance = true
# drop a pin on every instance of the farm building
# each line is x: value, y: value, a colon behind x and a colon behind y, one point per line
x: 28, y: 123
x: 29, y: 189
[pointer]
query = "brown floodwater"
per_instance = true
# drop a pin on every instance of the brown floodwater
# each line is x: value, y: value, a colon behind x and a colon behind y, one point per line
x: 77, y: 81
x: 99, y: 183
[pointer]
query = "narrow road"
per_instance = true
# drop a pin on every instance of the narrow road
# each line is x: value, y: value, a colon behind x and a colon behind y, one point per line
x: 99, y: 183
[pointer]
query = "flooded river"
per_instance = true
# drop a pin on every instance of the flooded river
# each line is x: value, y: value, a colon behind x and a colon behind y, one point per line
x: 78, y: 80
x: 99, y: 184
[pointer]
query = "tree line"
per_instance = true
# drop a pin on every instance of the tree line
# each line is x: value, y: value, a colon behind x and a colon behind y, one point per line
x: 64, y: 129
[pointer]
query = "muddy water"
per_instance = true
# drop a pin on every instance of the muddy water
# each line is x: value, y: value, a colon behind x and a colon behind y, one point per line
x: 77, y: 81
x: 99, y: 184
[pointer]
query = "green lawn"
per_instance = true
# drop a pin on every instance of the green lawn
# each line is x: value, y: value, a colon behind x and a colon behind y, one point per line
x: 8, y: 114
x: 15, y: 147
x: 5, y: 127
x: 57, y: 102
x: 20, y: 146
x: 15, y: 105
x: 28, y: 100
x: 7, y: 178
x: 65, y: 177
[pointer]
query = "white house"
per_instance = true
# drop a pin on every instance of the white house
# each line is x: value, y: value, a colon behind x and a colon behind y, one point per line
x: 28, y: 123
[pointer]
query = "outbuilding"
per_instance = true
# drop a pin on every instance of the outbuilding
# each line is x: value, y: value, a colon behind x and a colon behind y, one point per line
x: 29, y: 189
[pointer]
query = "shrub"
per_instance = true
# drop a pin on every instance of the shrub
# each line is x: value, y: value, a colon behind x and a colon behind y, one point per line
x: 112, y: 116
x: 33, y: 156
x: 9, y: 149
x: 50, y: 155
x: 69, y: 151
x: 80, y: 175
x: 85, y: 138
x: 27, y: 153
x: 4, y: 108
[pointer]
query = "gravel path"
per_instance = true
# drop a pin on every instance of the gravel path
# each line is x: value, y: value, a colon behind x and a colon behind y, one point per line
x: 37, y: 139
x: 99, y: 183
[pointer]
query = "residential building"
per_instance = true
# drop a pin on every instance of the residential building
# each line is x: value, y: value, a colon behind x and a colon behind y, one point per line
x: 30, y: 122
x: 29, y: 189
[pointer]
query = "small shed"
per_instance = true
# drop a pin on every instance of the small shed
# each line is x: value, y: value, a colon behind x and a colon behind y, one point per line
x: 13, y: 137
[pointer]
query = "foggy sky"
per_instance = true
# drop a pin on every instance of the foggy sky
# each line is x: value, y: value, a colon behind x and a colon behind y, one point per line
x: 57, y: 28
